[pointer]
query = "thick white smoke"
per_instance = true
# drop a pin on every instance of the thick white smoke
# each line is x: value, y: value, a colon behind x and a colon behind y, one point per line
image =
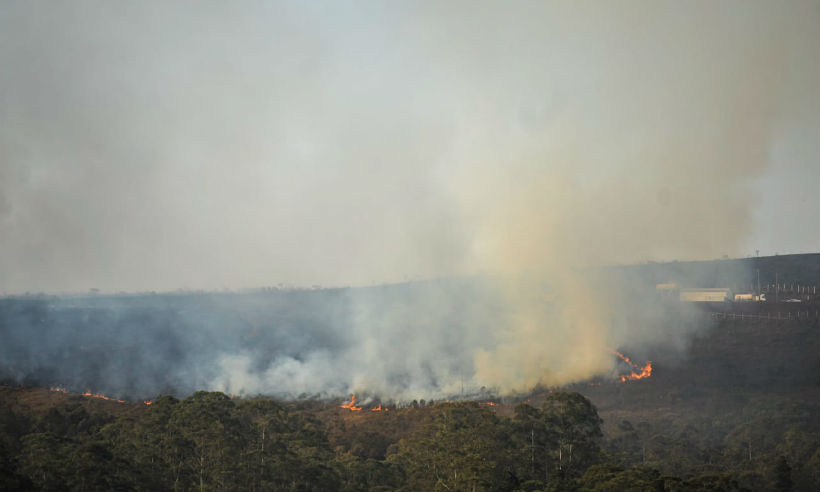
x: 150, y: 146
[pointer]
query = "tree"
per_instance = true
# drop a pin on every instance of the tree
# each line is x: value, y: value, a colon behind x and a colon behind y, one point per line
x: 608, y: 477
x: 626, y: 444
x: 42, y: 460
x: 264, y: 423
x: 309, y: 454
x: 782, y: 475
x: 798, y: 447
x: 577, y: 427
x: 533, y: 441
x: 459, y: 447
x: 13, y: 426
x: 206, y: 420
x: 161, y: 452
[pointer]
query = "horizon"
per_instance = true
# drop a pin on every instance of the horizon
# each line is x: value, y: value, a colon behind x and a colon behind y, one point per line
x: 92, y: 291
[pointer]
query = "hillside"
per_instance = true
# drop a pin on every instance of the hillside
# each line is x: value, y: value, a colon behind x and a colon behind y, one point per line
x: 744, y: 394
x: 730, y: 410
x: 730, y: 374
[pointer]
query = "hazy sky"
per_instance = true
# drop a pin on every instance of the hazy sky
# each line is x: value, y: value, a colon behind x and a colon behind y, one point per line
x: 205, y: 145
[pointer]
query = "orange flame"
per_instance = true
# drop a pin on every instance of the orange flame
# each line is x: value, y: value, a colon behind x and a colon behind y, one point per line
x: 352, y: 405
x: 644, y: 372
x: 377, y: 409
x: 101, y: 397
x: 148, y: 402
x: 489, y: 403
x: 87, y: 393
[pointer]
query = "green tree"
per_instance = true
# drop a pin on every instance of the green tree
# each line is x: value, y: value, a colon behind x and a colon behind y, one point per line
x: 798, y: 447
x: 607, y: 478
x: 43, y: 461
x: 158, y: 453
x: 710, y: 481
x: 625, y: 444
x: 13, y: 426
x: 264, y: 455
x: 206, y: 420
x: 459, y: 447
x: 533, y: 440
x: 309, y: 455
x: 782, y: 475
x: 358, y: 473
x: 65, y: 451
x: 577, y: 427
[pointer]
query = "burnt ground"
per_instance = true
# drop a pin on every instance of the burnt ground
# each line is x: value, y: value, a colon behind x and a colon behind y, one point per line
x: 736, y: 371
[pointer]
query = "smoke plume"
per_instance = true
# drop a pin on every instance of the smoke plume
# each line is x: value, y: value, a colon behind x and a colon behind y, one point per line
x: 508, y: 150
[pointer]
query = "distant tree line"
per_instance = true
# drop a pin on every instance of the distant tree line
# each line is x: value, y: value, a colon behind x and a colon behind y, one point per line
x: 208, y: 441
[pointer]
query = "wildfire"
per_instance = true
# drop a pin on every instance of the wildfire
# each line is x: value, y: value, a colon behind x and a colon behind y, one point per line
x: 99, y: 396
x: 646, y: 371
x: 352, y: 405
x: 489, y: 403
x: 643, y: 372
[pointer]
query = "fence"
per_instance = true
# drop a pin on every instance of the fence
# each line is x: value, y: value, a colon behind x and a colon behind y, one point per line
x: 790, y: 315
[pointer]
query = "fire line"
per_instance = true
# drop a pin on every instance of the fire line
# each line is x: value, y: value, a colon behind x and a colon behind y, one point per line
x: 352, y: 405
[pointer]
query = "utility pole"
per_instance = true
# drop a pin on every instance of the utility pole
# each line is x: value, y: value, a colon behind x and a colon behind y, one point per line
x: 532, y: 451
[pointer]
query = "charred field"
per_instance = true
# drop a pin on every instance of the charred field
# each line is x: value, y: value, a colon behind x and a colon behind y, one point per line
x: 735, y: 372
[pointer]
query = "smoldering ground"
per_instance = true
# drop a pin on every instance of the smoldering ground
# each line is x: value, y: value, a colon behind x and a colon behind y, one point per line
x: 286, y: 343
x: 402, y: 342
x: 149, y: 146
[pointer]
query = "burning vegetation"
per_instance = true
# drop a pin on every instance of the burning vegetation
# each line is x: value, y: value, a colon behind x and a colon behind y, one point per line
x: 643, y: 372
x: 89, y: 394
x: 351, y: 405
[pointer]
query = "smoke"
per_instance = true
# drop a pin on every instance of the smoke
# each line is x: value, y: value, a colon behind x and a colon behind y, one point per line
x: 650, y: 154
x: 154, y: 146
x: 403, y: 341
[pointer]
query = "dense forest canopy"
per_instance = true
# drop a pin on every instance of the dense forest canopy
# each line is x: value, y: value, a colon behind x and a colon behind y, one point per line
x: 209, y: 441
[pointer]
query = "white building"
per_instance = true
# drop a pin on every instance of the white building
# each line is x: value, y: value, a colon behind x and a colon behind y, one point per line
x: 722, y: 294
